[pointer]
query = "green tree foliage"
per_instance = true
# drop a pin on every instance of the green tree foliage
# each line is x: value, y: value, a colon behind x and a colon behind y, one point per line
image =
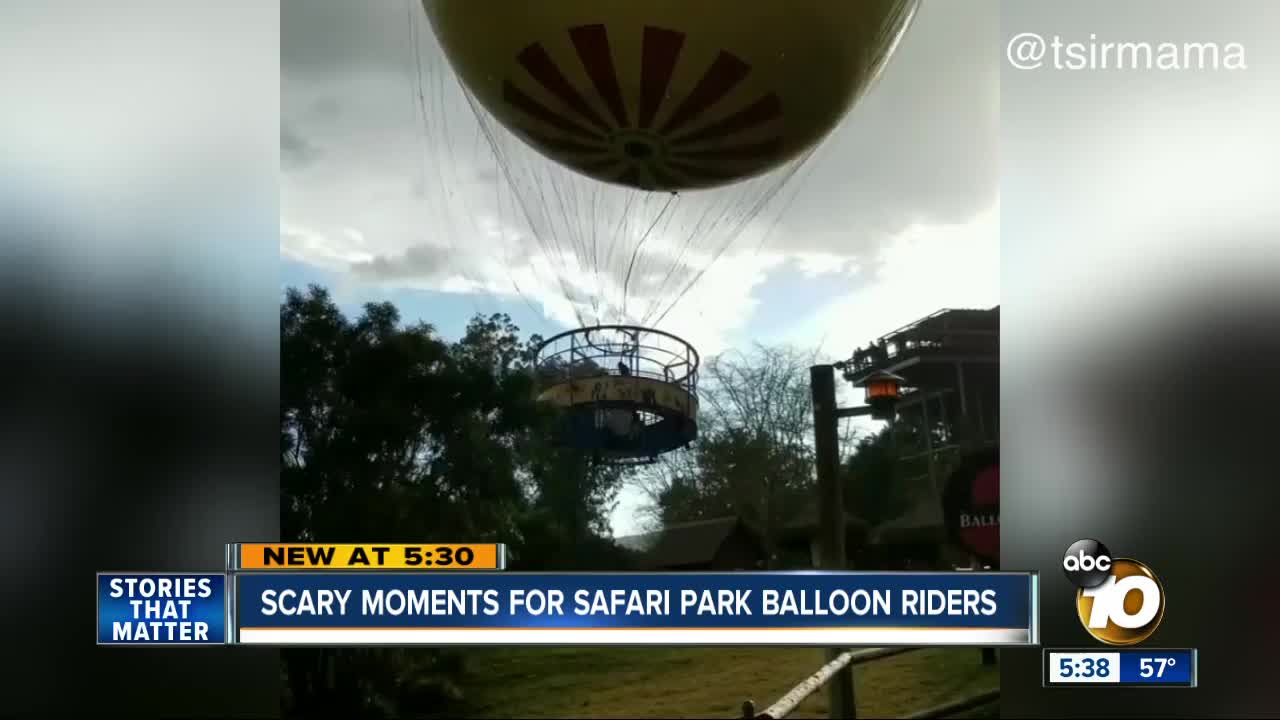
x: 888, y: 473
x: 389, y: 433
x: 869, y: 479
x: 754, y: 454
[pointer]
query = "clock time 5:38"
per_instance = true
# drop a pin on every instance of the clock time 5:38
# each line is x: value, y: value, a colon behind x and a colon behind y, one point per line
x: 1084, y: 667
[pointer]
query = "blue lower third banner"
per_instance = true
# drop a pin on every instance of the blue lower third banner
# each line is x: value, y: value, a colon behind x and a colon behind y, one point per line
x: 780, y: 608
x: 162, y: 609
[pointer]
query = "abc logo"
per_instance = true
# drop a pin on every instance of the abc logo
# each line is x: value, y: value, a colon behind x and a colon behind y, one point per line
x: 1119, y: 600
x: 1087, y: 563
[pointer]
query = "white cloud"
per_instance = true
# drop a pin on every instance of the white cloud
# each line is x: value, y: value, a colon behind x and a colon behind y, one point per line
x: 330, y: 251
x: 813, y: 264
x: 923, y: 269
x: 722, y: 302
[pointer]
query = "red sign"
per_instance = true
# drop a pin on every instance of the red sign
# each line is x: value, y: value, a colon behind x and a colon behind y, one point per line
x: 971, y: 506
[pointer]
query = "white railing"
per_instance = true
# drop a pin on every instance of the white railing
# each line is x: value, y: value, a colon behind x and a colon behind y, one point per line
x: 788, y: 702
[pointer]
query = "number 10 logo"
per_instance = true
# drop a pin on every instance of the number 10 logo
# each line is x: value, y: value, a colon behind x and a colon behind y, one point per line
x: 1126, y: 608
x: 1119, y: 600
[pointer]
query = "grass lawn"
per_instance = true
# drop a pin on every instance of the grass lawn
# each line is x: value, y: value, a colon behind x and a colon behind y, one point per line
x: 705, y: 682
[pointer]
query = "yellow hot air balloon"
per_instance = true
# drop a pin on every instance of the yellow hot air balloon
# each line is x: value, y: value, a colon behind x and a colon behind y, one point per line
x: 669, y: 94
x: 637, y: 141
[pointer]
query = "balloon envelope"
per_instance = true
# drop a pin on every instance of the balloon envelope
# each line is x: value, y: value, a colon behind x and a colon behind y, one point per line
x: 669, y: 94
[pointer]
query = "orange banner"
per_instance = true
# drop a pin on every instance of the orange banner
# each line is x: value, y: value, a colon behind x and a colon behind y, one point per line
x: 369, y: 556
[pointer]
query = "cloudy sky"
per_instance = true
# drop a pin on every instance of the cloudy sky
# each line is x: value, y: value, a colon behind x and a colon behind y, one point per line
x: 390, y: 191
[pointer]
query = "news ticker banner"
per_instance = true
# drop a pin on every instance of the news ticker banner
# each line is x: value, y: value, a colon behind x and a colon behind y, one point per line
x: 1121, y: 667
x: 740, y: 608
x: 487, y: 608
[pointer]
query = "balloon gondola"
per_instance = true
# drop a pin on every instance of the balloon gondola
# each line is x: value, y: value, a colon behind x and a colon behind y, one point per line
x: 624, y: 394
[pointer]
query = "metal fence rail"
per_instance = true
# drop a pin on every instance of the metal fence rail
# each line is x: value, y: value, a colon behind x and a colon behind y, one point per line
x: 788, y: 703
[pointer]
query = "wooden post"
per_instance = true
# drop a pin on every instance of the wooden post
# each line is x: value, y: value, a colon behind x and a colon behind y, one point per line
x: 988, y: 653
x: 840, y: 692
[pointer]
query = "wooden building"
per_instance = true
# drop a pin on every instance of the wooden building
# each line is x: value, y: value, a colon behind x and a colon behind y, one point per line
x: 799, y: 541
x: 950, y: 365
x: 725, y: 543
x: 728, y: 543
x: 950, y: 362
